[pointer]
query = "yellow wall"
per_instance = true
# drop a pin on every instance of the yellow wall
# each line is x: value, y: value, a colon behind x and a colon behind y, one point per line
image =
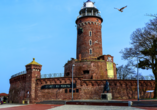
x: 110, y: 70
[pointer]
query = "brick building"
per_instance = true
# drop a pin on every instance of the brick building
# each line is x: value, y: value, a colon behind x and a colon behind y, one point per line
x: 91, y: 69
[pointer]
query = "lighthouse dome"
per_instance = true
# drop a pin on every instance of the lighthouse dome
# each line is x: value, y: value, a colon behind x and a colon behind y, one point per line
x: 88, y: 4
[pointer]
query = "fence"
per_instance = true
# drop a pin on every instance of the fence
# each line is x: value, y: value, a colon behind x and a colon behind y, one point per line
x: 52, y: 75
x: 20, y: 73
x: 135, y: 78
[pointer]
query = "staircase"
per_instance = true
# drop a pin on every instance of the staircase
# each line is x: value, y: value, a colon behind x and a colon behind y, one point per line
x: 52, y: 102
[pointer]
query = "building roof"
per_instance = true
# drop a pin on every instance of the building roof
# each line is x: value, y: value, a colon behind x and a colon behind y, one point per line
x: 88, y: 4
x: 3, y: 94
x: 33, y: 62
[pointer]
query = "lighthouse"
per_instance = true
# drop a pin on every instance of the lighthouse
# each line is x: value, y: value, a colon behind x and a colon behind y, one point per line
x: 90, y: 63
x: 89, y: 37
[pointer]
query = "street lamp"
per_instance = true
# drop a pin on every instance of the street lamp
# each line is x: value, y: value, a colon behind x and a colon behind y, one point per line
x: 72, y: 80
x: 137, y: 80
x: 137, y: 73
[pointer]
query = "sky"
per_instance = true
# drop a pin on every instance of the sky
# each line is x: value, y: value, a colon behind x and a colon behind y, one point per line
x: 45, y: 30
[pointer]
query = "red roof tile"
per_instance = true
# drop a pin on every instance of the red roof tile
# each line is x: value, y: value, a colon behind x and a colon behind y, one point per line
x: 3, y: 94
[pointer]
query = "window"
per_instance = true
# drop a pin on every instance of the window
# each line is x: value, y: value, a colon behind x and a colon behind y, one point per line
x: 90, y: 33
x: 90, y: 42
x: 65, y: 90
x: 90, y: 51
x: 67, y: 74
x: 69, y: 90
x: 77, y: 90
x: 86, y: 71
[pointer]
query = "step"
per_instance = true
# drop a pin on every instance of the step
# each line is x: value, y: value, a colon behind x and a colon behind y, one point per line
x: 145, y: 103
x: 52, y: 102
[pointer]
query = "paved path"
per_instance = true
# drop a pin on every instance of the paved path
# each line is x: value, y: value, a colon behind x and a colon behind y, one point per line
x: 68, y: 107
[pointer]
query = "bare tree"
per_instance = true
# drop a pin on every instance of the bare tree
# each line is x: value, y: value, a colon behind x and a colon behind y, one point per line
x: 144, y: 45
x: 123, y: 72
x: 141, y: 77
x: 151, y: 15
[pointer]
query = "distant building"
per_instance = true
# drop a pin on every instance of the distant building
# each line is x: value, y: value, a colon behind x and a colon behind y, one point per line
x: 3, y: 96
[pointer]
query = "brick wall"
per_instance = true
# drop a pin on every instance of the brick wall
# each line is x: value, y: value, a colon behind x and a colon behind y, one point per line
x: 89, y: 24
x: 17, y: 89
x: 92, y: 89
x: 97, y: 68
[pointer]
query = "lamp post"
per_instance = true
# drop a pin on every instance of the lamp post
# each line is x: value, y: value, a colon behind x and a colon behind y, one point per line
x: 137, y: 74
x: 72, y: 80
x: 137, y: 80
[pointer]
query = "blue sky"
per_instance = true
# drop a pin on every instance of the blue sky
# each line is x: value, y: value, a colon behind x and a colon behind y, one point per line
x: 45, y: 30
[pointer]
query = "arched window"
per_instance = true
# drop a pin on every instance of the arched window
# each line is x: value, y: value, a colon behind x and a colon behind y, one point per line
x: 90, y: 51
x: 90, y: 42
x: 90, y: 33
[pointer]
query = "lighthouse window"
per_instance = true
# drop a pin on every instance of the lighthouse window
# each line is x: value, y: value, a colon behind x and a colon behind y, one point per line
x: 90, y: 42
x: 90, y: 51
x: 90, y: 33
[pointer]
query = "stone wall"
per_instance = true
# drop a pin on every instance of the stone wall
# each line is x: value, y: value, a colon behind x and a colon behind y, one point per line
x: 53, y: 94
x: 92, y: 89
x: 17, y: 89
x: 87, y: 89
x: 97, y: 68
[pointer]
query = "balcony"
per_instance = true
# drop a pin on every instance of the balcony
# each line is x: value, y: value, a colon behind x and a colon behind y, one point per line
x: 89, y: 14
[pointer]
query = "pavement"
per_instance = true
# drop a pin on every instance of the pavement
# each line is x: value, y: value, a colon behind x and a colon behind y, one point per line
x: 62, y: 107
x: 77, y: 107
x: 68, y: 107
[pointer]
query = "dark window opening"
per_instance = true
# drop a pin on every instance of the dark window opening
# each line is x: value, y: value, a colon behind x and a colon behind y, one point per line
x: 77, y: 90
x: 90, y: 33
x: 67, y: 74
x: 73, y: 91
x: 65, y: 90
x: 69, y: 90
x: 90, y: 42
x: 90, y: 51
x: 86, y: 71
x: 80, y: 21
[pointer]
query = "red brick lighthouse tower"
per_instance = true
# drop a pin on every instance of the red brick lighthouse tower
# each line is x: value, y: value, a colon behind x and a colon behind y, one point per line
x: 89, y: 62
x: 89, y: 42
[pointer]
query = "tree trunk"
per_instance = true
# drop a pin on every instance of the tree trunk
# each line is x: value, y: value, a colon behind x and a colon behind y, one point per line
x: 155, y: 90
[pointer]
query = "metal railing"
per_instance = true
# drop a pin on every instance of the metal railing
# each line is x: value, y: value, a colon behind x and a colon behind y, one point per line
x: 89, y: 15
x: 20, y: 73
x: 52, y: 75
x: 135, y: 78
